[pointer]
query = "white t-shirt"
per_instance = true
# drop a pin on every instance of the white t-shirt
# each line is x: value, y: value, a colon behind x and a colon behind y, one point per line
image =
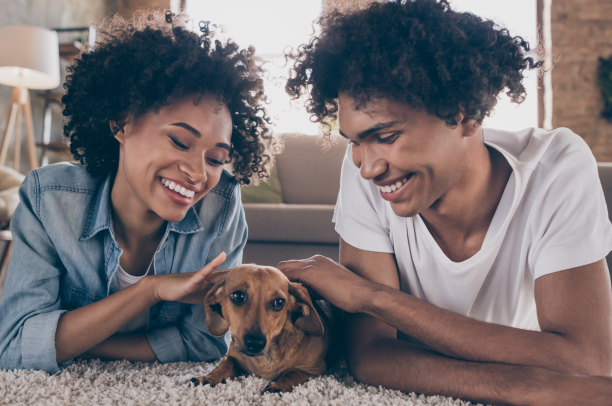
x: 123, y: 280
x: 552, y: 216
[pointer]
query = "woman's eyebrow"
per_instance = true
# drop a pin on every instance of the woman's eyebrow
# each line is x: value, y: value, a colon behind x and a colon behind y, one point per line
x: 224, y: 145
x: 189, y: 128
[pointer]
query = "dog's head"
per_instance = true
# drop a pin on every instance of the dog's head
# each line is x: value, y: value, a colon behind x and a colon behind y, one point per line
x: 255, y: 302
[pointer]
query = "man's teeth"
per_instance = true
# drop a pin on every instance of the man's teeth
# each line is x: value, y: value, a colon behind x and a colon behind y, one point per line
x: 178, y: 188
x: 394, y: 187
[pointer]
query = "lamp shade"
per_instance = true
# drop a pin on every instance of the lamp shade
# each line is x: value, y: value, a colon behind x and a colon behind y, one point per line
x: 29, y: 57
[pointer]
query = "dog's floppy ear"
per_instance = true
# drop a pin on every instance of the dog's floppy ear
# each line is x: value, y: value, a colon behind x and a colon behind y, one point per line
x: 215, y: 322
x: 308, y: 320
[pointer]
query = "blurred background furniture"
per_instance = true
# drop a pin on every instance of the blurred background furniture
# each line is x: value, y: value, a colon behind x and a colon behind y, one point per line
x: 67, y: 52
x: 10, y: 180
x: 29, y: 59
x: 301, y: 226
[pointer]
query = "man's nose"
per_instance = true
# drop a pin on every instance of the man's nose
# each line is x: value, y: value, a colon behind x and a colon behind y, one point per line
x: 369, y: 161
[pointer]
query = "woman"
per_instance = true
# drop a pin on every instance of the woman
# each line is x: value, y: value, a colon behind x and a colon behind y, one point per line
x: 105, y: 250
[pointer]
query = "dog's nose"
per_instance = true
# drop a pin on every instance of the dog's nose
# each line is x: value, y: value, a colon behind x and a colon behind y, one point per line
x: 254, y: 343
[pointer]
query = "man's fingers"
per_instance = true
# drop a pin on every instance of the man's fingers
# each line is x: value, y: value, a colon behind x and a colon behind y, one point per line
x: 287, y: 266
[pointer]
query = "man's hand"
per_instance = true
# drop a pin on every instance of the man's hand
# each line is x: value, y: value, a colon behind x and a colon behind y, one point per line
x: 189, y: 287
x: 335, y: 283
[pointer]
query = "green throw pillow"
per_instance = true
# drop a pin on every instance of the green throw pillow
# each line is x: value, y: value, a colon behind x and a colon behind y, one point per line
x: 265, y: 192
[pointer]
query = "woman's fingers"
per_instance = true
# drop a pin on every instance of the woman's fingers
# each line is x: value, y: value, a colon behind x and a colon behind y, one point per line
x: 201, y: 275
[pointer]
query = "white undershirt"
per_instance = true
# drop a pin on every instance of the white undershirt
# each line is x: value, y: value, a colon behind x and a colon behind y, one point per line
x: 552, y: 216
x: 125, y: 280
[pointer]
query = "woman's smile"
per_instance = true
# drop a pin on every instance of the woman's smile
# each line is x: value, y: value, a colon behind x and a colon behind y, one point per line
x: 177, y: 192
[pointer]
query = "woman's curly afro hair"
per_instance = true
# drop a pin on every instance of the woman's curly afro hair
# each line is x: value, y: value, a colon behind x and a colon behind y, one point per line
x: 150, y: 62
x: 418, y: 52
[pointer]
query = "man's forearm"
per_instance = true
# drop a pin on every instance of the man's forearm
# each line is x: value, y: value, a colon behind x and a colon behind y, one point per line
x: 412, y: 368
x: 462, y: 337
x: 133, y: 347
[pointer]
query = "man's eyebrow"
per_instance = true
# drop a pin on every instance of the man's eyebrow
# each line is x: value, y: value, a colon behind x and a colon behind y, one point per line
x: 372, y: 130
x: 189, y: 128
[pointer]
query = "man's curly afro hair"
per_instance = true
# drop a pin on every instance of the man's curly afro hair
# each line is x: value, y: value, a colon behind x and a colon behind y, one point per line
x: 150, y: 62
x: 418, y: 52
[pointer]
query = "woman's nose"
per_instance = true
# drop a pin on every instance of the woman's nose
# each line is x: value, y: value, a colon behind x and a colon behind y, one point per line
x: 370, y: 163
x: 195, y: 168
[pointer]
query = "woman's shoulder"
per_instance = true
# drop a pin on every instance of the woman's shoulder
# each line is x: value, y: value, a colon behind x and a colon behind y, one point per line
x: 228, y: 187
x: 222, y: 203
x: 65, y: 176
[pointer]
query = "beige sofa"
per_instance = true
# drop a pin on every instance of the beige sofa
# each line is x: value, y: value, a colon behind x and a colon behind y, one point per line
x: 302, y: 226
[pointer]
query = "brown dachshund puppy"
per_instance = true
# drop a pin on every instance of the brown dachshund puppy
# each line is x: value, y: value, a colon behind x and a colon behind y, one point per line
x: 277, y: 333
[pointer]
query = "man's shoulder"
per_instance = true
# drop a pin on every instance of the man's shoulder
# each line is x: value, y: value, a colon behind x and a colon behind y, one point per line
x: 534, y: 147
x: 566, y: 145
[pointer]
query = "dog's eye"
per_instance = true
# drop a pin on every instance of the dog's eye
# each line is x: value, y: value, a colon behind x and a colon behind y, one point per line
x: 237, y: 297
x: 278, y: 304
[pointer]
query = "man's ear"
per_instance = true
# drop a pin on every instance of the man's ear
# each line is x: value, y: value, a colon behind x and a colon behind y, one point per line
x: 469, y: 126
x: 307, y: 317
x: 215, y: 322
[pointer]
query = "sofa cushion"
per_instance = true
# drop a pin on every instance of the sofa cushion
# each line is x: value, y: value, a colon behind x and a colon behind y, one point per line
x: 265, y: 192
x: 311, y: 223
x: 309, y: 175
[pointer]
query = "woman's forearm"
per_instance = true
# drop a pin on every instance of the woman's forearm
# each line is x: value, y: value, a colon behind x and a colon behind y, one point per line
x: 133, y: 347
x: 82, y: 329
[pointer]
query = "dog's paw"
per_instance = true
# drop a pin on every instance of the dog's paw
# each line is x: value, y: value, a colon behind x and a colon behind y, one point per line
x: 275, y: 387
x: 208, y: 379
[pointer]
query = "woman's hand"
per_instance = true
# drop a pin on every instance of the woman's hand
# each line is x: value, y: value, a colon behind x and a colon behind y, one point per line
x: 335, y: 283
x: 189, y: 287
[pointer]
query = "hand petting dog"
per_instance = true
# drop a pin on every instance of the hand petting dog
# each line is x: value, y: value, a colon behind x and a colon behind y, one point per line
x: 331, y: 281
x: 189, y: 287
x: 277, y: 331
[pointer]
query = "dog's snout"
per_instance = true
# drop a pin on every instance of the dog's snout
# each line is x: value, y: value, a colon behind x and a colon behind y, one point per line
x: 254, y: 343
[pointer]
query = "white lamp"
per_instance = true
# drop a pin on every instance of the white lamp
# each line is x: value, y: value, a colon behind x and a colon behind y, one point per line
x: 29, y: 59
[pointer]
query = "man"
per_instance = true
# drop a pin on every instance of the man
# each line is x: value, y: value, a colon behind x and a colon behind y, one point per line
x: 472, y: 261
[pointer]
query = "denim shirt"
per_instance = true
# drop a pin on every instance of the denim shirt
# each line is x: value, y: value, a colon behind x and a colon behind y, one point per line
x: 65, y: 255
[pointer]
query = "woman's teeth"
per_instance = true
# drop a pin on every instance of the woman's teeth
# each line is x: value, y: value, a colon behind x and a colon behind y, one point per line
x: 177, y: 188
x: 392, y: 188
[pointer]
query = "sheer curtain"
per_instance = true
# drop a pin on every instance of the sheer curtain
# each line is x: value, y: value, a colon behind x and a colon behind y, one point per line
x: 273, y: 25
x: 519, y: 17
x: 270, y: 26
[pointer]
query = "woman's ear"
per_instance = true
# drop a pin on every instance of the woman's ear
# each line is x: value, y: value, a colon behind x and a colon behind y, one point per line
x: 308, y: 319
x: 215, y: 322
x: 118, y: 131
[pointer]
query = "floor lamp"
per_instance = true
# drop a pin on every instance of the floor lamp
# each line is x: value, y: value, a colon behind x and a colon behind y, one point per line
x: 29, y: 59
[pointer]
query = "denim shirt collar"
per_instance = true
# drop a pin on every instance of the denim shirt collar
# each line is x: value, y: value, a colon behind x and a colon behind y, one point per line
x: 99, y: 217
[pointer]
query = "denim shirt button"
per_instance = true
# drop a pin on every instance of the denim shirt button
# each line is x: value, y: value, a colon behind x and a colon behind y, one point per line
x: 72, y: 304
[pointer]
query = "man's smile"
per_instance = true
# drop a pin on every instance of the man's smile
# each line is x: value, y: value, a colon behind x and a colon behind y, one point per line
x: 391, y: 191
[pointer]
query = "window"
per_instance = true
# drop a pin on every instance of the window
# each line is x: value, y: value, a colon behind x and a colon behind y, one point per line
x: 519, y: 17
x: 270, y: 26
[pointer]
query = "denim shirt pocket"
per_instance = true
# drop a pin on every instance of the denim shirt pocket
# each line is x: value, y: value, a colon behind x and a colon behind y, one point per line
x: 73, y: 298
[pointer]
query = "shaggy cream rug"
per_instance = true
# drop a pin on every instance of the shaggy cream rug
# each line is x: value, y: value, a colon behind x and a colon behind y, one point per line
x: 94, y: 382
